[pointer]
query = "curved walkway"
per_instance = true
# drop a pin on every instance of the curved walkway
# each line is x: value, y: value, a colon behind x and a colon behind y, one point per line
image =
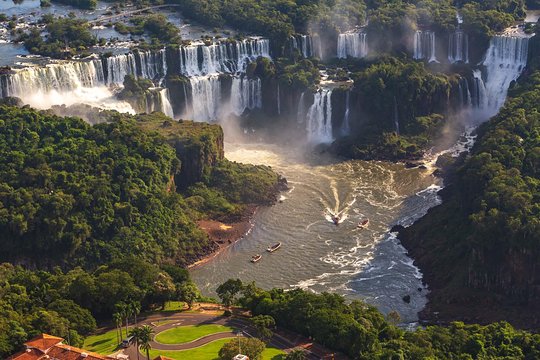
x: 282, y: 339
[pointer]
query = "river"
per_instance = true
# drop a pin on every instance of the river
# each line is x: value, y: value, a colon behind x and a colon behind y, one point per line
x: 367, y: 264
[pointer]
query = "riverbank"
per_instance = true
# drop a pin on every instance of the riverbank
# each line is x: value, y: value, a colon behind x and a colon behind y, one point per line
x: 224, y: 234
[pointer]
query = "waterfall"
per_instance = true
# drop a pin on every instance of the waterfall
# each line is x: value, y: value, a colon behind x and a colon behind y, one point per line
x: 62, y: 77
x: 300, y: 111
x: 396, y: 116
x: 222, y: 57
x: 479, y: 95
x: 352, y: 44
x: 319, y: 117
x: 302, y: 43
x: 424, y: 46
x: 165, y: 102
x: 458, y: 47
x: 465, y: 99
x: 504, y: 61
x: 118, y: 66
x: 205, y: 98
x: 346, y: 126
x: 151, y: 64
x: 245, y: 94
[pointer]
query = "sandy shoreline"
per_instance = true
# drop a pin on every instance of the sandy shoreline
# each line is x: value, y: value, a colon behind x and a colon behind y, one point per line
x: 225, y: 234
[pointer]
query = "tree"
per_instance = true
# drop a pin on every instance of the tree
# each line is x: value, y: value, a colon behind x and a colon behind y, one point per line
x: 228, y: 290
x: 264, y: 325
x: 296, y: 355
x: 80, y: 319
x: 135, y: 308
x: 251, y: 347
x: 145, y: 337
x: 393, y: 317
x: 137, y: 333
x: 117, y: 318
x: 188, y: 292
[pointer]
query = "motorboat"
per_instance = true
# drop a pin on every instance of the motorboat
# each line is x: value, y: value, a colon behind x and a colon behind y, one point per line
x: 364, y: 224
x: 256, y: 258
x: 274, y: 247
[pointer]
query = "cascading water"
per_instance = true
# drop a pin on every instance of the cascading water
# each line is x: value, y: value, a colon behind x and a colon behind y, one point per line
x: 62, y: 77
x: 205, y: 98
x: 319, y: 117
x: 300, y: 111
x: 304, y: 44
x: 424, y: 46
x: 245, y: 94
x: 278, y: 96
x: 396, y: 116
x: 165, y: 102
x: 465, y: 99
x: 458, y: 47
x: 352, y: 44
x: 479, y: 95
x: 222, y: 57
x: 346, y: 126
x: 504, y: 61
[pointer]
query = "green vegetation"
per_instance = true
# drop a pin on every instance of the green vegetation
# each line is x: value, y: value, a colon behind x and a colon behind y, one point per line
x: 173, y: 306
x: 361, y: 331
x: 105, y: 343
x: 157, y: 26
x: 65, y: 37
x: 418, y: 96
x: 490, y: 218
x: 251, y: 347
x: 209, y: 351
x: 101, y: 202
x: 184, y: 334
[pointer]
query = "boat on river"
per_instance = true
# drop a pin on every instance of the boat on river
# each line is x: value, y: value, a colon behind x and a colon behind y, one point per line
x: 364, y: 224
x: 256, y: 258
x: 274, y: 247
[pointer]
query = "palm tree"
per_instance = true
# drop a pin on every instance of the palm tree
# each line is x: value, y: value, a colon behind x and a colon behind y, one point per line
x: 136, y: 332
x: 146, y: 338
x: 135, y: 308
x: 117, y: 318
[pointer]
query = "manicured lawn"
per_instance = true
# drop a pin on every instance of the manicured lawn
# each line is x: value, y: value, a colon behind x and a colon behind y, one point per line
x: 206, y: 352
x: 183, y: 334
x: 104, y: 344
x: 210, y: 352
x: 174, y: 306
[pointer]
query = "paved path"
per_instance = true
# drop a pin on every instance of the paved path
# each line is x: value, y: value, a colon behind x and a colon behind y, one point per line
x: 129, y: 13
x: 282, y: 339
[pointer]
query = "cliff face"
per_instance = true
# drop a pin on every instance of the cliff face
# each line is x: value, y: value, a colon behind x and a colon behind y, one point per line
x: 199, y: 146
x: 479, y: 251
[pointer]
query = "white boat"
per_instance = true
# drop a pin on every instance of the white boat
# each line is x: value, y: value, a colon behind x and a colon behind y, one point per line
x: 274, y: 247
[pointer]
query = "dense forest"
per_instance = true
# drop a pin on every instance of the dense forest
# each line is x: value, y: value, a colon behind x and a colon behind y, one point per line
x: 101, y: 202
x: 84, y: 195
x: 362, y: 332
x: 479, y: 250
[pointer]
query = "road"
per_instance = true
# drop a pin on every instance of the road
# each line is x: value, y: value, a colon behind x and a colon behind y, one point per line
x: 283, y: 340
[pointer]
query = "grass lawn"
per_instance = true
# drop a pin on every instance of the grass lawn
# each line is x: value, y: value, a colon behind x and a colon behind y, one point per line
x: 174, y: 306
x: 183, y: 334
x: 210, y: 352
x: 104, y: 344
